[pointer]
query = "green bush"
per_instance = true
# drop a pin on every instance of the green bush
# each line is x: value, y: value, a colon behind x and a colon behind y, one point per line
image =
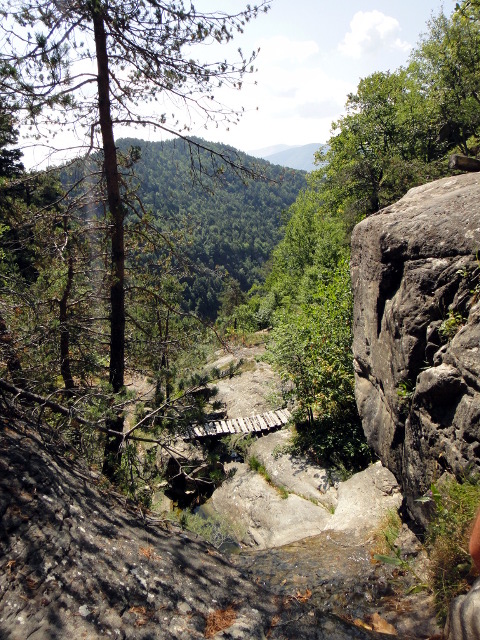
x: 447, y: 538
x: 311, y: 347
x: 451, y: 325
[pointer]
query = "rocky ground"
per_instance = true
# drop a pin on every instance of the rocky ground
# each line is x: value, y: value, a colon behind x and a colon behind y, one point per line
x: 256, y: 390
x: 318, y: 535
x: 78, y: 561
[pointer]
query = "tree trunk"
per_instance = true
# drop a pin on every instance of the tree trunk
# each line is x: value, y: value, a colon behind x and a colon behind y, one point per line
x: 113, y: 445
x: 463, y: 163
x: 9, y: 354
x: 65, y: 368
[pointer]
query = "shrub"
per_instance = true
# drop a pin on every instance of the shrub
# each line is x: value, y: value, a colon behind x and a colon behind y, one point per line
x: 447, y: 538
x: 217, y: 530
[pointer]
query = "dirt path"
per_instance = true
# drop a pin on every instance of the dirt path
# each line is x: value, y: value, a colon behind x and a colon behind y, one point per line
x: 256, y: 389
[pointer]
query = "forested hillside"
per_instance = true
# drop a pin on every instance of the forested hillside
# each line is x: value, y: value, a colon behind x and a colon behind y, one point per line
x: 88, y: 295
x: 222, y: 208
x: 399, y: 130
x: 230, y: 218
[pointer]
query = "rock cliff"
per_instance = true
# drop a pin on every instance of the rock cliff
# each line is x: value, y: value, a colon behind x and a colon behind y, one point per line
x: 415, y: 277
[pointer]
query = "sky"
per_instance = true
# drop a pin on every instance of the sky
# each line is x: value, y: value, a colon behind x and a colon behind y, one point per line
x: 312, y: 55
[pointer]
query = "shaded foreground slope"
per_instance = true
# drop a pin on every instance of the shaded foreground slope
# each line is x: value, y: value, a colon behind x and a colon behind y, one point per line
x: 75, y: 562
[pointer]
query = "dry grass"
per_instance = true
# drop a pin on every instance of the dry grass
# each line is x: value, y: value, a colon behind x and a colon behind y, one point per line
x: 452, y: 571
x: 219, y: 620
x: 385, y: 535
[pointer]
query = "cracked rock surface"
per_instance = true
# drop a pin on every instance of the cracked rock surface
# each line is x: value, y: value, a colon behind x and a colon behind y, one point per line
x: 76, y: 563
x: 414, y: 268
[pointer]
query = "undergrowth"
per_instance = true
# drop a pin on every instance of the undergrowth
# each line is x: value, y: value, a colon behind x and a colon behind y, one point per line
x: 387, y: 550
x: 452, y: 571
x: 217, y: 530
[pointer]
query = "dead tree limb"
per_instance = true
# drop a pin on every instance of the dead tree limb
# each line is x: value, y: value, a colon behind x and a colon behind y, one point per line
x: 463, y: 163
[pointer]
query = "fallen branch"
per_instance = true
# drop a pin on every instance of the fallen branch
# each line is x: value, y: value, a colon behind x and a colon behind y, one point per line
x: 463, y: 163
x: 46, y: 402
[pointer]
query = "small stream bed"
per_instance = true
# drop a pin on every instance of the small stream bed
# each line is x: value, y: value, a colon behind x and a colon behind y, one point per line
x: 341, y: 578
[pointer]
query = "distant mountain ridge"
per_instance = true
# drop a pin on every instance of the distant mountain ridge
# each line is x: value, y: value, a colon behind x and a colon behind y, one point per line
x: 300, y: 157
x: 227, y: 225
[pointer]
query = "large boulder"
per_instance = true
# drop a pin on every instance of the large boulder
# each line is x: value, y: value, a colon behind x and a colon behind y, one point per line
x: 297, y: 474
x: 416, y: 342
x: 265, y: 517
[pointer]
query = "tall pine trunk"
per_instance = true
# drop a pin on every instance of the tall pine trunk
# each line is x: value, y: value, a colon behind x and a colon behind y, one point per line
x: 113, y: 445
x: 65, y: 368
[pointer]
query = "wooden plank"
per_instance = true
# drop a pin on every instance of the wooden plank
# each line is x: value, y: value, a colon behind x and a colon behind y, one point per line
x: 272, y: 419
x: 243, y: 426
x: 223, y: 424
x: 267, y: 420
x: 209, y: 429
x: 278, y: 418
x: 236, y: 425
x: 249, y: 425
x: 286, y: 415
x: 257, y: 423
x: 261, y: 421
x: 277, y: 421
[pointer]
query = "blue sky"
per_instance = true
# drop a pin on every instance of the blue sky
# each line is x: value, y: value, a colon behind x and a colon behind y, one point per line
x: 313, y: 53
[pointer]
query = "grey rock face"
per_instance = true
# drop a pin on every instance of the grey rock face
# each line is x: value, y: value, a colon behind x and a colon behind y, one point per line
x: 267, y: 520
x: 417, y: 389
x: 297, y: 475
x: 75, y: 563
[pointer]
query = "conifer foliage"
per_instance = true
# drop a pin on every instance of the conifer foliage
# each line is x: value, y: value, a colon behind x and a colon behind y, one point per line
x: 90, y: 65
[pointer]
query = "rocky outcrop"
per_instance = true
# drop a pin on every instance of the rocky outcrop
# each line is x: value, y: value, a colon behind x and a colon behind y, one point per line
x: 464, y: 616
x: 417, y: 333
x: 265, y: 517
x: 297, y: 474
x: 355, y: 507
x: 75, y: 562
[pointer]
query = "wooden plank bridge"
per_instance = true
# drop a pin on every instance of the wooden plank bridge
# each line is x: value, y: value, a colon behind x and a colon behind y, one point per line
x: 254, y: 424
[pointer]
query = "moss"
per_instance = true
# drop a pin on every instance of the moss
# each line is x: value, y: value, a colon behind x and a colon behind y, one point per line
x: 255, y: 465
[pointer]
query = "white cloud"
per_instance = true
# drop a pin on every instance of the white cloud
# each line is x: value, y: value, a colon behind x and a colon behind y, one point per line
x: 281, y: 48
x: 369, y: 32
x: 319, y: 109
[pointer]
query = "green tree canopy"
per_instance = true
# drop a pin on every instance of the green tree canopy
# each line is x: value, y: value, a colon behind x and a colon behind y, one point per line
x: 89, y: 64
